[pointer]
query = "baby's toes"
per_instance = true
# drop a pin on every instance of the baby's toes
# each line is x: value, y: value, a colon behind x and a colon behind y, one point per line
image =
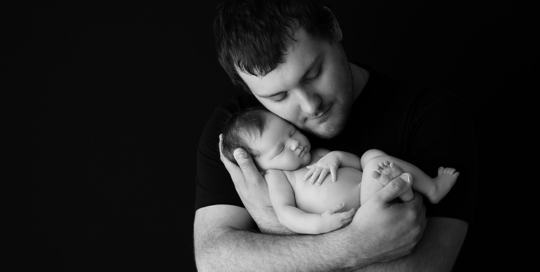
x: 440, y: 171
x: 450, y: 171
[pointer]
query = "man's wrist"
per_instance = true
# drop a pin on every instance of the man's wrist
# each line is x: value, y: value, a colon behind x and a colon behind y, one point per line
x: 346, y: 253
x: 267, y: 221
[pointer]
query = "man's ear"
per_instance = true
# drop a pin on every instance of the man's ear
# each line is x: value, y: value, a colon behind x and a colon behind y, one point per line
x: 338, y: 35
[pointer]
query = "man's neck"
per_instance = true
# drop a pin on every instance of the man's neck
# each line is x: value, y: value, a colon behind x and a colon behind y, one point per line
x: 360, y: 79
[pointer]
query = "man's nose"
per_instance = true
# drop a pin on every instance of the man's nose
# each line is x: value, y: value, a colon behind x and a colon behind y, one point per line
x: 309, y: 101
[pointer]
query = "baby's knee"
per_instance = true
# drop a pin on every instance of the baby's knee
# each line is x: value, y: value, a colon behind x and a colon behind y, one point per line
x: 372, y: 156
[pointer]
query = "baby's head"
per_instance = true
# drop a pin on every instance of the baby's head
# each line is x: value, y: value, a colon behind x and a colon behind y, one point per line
x: 272, y: 142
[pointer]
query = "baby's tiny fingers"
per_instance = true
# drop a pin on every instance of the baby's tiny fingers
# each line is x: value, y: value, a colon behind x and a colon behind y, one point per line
x: 333, y: 172
x: 315, y: 175
x: 346, y: 222
x: 347, y: 214
x: 323, y: 174
x: 309, y: 173
x: 336, y: 208
x: 347, y: 217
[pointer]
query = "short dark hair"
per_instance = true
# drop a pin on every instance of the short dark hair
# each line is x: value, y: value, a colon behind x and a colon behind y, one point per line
x: 253, y: 35
x: 240, y: 128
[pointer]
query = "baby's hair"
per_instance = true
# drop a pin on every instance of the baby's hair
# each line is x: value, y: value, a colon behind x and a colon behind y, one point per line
x: 240, y: 128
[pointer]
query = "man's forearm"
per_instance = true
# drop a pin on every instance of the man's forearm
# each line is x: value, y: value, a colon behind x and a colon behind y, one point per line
x: 268, y: 222
x: 240, y: 250
x: 437, y: 250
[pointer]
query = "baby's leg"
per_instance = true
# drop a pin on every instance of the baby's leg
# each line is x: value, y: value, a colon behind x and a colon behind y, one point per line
x: 374, y: 178
x: 433, y: 188
x: 368, y: 155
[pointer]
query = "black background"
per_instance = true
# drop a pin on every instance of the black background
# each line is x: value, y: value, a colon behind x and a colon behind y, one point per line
x: 109, y: 100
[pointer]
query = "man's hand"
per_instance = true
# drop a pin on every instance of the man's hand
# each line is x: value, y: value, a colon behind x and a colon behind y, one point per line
x: 253, y: 190
x: 393, y: 228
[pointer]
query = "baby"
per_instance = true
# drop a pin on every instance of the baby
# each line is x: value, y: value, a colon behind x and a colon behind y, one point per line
x: 291, y: 168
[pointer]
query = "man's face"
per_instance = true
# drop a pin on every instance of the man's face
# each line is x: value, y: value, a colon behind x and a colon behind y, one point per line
x: 312, y: 89
x: 281, y: 146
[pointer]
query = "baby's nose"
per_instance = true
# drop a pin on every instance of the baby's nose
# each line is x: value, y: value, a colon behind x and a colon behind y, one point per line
x: 294, y: 145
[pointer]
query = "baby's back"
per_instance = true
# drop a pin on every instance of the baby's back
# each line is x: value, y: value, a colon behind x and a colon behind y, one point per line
x: 321, y: 198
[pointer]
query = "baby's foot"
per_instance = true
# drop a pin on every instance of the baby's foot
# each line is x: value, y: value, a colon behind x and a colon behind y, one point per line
x: 443, y: 183
x: 386, y: 172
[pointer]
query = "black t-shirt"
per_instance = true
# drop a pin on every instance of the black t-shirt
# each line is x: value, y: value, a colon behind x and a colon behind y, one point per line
x: 427, y: 127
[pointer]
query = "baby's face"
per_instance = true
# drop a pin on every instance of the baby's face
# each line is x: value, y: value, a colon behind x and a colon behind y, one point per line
x: 281, y: 146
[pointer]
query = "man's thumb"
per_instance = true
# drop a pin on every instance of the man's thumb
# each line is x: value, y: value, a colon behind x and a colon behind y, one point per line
x: 242, y: 159
x: 396, y: 187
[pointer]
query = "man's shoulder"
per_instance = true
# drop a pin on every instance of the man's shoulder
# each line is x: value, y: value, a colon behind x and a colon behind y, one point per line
x: 429, y: 97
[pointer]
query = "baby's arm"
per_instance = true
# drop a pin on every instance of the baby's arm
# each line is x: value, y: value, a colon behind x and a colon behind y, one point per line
x: 282, y: 198
x: 348, y: 159
x: 330, y: 163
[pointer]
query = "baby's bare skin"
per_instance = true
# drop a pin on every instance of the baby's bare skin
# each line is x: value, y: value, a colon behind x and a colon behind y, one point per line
x: 321, y: 198
x: 387, y: 171
x: 347, y: 189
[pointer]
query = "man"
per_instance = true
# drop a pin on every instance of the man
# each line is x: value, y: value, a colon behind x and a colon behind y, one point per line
x: 288, y: 57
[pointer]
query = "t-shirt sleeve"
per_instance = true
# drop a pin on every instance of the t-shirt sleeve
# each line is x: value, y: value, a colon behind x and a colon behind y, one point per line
x: 442, y: 134
x: 213, y: 183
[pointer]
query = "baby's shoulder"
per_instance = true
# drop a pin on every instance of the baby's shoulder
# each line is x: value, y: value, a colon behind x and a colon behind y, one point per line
x: 274, y: 174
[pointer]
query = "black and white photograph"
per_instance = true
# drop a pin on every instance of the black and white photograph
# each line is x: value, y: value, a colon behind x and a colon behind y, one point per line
x: 270, y: 135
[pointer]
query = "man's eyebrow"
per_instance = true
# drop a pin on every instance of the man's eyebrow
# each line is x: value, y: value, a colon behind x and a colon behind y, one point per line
x: 306, y: 72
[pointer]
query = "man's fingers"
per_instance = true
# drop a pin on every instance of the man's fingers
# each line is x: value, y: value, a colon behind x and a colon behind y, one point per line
x: 395, y: 188
x: 346, y: 221
x: 231, y: 167
x: 246, y: 164
x: 408, y: 195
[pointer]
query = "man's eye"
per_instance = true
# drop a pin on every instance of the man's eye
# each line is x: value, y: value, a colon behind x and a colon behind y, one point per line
x: 311, y: 77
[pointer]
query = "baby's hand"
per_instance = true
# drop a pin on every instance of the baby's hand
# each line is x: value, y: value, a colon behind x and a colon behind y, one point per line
x: 332, y: 220
x: 318, y: 171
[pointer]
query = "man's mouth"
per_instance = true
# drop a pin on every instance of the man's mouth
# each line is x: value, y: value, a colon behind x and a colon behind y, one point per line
x: 322, y: 113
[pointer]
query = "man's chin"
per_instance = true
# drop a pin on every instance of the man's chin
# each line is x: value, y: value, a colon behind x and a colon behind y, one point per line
x: 325, y: 131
